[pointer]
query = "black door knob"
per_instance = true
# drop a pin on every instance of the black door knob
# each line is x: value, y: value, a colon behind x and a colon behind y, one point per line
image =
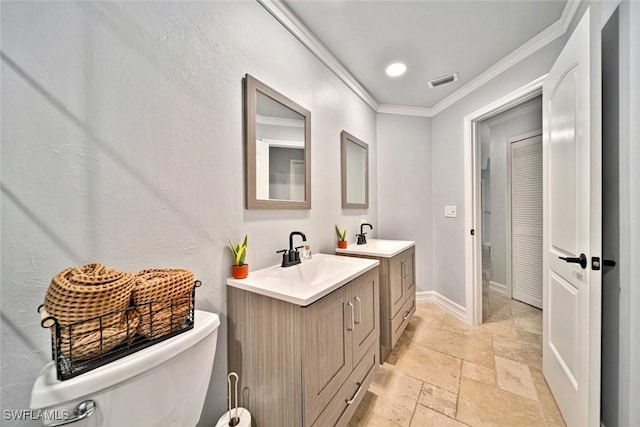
x: 582, y: 260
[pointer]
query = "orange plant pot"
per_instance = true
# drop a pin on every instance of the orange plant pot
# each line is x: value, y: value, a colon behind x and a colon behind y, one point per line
x: 240, y: 271
x: 342, y: 244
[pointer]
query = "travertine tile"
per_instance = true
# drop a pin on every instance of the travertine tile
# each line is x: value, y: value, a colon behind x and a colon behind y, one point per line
x: 366, y: 417
x: 425, y: 417
x: 529, y: 322
x: 525, y: 352
x: 438, y: 399
x: 431, y: 367
x: 480, y: 404
x: 481, y: 373
x: 428, y: 315
x: 432, y: 350
x: 515, y: 377
x: 396, y: 395
x: 500, y: 325
x: 520, y: 308
x: 461, y: 346
x: 400, y: 348
x: 451, y: 323
x: 529, y: 337
x: 550, y: 410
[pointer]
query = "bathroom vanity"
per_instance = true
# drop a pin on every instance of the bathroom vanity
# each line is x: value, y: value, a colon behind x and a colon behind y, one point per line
x: 397, y: 285
x: 304, y: 339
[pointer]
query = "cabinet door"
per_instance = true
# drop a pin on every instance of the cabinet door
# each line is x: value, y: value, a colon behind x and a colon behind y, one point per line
x: 366, y: 318
x: 328, y: 350
x: 397, y: 292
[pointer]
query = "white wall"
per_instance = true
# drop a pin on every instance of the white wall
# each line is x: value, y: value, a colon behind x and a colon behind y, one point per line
x: 629, y: 369
x: 448, y: 168
x: 404, y: 187
x: 502, y: 127
x: 122, y: 142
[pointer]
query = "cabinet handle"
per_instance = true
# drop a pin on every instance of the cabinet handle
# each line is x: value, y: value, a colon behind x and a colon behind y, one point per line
x: 406, y: 316
x: 357, y: 322
x: 353, y: 320
x: 405, y: 271
x: 355, y: 396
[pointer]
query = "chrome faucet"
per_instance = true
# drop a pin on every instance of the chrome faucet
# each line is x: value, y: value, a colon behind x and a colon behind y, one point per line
x: 362, y: 238
x: 292, y: 256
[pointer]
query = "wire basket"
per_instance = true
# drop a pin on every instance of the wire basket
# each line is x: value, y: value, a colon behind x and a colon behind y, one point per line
x: 82, y: 346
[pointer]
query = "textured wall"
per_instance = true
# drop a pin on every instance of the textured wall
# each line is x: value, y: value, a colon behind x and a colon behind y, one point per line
x: 122, y: 141
x: 404, y: 187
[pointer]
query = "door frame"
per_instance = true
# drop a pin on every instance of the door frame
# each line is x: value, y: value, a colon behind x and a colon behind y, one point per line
x: 472, y: 215
x: 509, y: 211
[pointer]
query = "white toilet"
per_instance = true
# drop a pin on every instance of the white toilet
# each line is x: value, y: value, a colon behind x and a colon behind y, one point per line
x: 162, y: 385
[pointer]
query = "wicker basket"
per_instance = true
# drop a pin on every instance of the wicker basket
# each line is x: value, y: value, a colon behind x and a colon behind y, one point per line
x: 89, y: 303
x: 163, y: 298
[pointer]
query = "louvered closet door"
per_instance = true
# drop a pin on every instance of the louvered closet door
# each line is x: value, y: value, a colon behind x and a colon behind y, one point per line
x: 526, y: 220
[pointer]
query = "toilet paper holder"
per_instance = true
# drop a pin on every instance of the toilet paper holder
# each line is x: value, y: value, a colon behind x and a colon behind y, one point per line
x: 234, y: 420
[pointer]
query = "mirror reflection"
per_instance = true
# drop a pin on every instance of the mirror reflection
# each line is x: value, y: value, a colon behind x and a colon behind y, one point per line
x: 355, y: 173
x: 278, y: 150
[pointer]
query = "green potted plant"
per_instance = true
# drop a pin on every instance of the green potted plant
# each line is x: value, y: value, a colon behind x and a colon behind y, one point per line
x: 240, y: 270
x: 342, y: 235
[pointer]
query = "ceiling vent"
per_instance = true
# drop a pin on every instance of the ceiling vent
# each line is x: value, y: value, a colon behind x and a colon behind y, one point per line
x: 443, y: 80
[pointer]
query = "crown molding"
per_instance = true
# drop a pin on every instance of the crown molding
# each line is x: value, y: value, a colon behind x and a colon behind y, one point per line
x: 279, y: 11
x: 404, y: 110
x: 551, y: 33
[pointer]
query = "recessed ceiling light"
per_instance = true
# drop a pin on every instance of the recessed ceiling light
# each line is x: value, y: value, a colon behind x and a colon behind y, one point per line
x: 396, y: 69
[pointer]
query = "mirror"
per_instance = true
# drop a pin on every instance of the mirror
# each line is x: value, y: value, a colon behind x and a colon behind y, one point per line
x: 355, y: 172
x: 278, y: 132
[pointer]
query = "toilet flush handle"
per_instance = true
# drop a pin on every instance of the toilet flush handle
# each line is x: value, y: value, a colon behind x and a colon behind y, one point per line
x: 83, y: 410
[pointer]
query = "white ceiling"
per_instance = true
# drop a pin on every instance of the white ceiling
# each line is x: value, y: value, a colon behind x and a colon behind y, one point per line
x: 432, y: 37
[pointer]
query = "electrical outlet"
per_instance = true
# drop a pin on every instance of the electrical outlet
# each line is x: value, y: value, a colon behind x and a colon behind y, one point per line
x: 450, y: 211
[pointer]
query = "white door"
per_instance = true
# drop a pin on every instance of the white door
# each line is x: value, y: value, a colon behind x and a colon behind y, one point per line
x: 526, y: 220
x: 572, y: 227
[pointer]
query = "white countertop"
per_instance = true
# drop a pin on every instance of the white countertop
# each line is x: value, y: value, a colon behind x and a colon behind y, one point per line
x: 307, y: 282
x: 378, y: 248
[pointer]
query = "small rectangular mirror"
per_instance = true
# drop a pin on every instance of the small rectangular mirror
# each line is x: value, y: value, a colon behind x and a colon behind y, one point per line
x: 278, y: 132
x: 355, y: 172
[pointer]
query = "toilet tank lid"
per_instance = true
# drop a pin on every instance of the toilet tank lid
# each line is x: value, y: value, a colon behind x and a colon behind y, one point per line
x: 48, y: 391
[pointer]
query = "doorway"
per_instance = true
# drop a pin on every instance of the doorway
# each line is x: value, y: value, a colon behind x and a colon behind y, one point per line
x: 510, y: 159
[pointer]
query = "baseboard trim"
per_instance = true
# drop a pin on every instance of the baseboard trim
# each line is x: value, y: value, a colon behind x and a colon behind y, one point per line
x: 498, y: 288
x: 452, y: 307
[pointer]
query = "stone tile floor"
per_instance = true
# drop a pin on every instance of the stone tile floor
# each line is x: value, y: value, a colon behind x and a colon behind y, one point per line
x: 444, y: 372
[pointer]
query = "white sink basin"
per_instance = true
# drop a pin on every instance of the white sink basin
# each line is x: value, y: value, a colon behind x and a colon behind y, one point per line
x: 378, y: 248
x: 306, y: 282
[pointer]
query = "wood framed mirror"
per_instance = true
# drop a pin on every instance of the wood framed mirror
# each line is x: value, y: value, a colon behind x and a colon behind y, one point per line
x: 354, y: 159
x: 278, y: 149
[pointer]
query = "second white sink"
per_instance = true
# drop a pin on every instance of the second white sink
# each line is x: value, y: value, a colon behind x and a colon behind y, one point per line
x: 378, y: 248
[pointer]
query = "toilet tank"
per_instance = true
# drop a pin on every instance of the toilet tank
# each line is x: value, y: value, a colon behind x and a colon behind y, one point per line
x: 162, y: 385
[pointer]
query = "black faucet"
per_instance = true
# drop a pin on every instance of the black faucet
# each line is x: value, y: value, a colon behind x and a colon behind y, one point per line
x: 362, y: 238
x: 292, y: 256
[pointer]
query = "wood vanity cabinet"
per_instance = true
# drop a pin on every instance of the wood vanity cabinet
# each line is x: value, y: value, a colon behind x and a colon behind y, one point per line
x: 397, y: 296
x: 305, y: 366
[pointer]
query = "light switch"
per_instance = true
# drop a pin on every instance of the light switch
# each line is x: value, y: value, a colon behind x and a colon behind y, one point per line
x: 450, y: 211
